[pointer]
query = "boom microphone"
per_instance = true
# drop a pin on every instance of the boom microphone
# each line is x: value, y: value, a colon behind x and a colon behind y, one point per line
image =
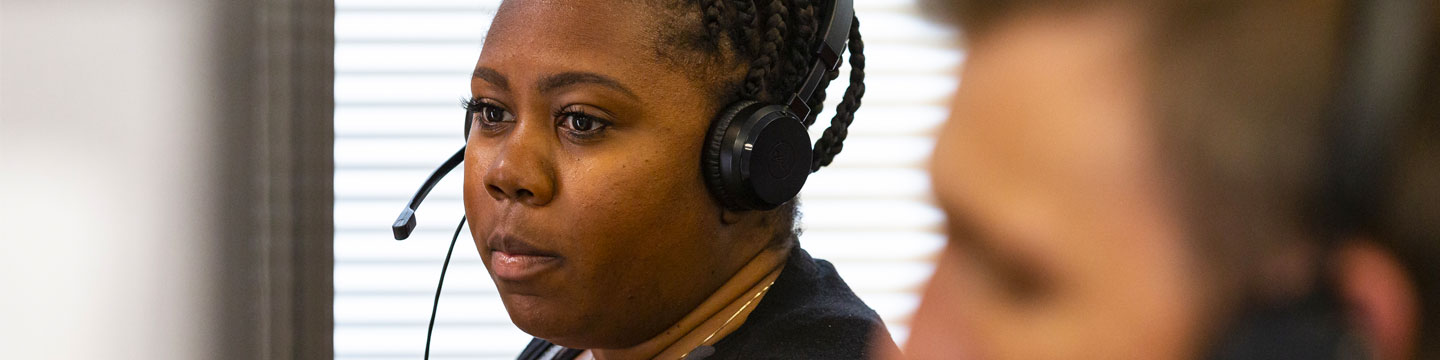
x: 406, y: 222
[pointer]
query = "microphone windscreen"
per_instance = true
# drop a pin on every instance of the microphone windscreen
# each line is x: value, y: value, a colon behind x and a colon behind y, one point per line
x: 404, y: 224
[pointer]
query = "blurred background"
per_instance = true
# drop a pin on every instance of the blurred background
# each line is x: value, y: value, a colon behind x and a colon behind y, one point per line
x: 192, y: 179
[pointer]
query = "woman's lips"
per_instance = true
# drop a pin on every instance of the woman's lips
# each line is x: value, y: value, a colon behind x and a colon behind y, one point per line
x: 516, y: 267
x: 512, y: 259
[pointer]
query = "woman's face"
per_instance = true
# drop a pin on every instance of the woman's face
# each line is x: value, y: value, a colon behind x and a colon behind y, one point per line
x: 582, y: 175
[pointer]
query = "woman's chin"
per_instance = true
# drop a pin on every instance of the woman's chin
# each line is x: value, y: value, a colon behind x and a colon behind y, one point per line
x: 543, y: 318
x: 563, y: 325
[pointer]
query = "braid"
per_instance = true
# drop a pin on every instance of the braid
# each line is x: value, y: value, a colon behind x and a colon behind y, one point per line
x: 817, y: 100
x: 832, y: 141
x: 772, y: 69
x: 755, y: 79
x: 745, y: 21
x: 797, y: 64
x: 712, y: 13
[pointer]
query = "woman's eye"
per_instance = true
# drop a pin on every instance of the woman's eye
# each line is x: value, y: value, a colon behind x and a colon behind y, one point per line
x: 487, y: 114
x: 581, y: 124
x: 492, y: 114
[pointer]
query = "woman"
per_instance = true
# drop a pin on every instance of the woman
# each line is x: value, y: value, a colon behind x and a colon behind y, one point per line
x: 586, y: 195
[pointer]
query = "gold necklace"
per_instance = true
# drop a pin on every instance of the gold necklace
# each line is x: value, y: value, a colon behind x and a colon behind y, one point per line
x: 734, y: 315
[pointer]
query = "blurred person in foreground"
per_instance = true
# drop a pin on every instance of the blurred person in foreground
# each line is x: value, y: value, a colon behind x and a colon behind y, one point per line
x: 1153, y: 180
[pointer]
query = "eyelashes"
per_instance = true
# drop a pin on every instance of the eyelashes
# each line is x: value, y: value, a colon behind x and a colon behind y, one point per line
x: 579, y: 123
x: 572, y: 120
x: 469, y: 103
x: 486, y: 113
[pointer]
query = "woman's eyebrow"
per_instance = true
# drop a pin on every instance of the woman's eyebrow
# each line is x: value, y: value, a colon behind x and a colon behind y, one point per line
x: 493, y: 77
x: 557, y: 81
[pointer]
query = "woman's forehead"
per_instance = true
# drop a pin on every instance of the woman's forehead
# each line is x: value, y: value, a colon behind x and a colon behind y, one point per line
x: 531, y: 39
x: 620, y: 33
x: 575, y: 23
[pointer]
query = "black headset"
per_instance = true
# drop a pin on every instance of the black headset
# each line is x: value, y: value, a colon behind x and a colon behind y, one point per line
x: 1384, y: 67
x: 757, y: 155
x: 1385, y: 44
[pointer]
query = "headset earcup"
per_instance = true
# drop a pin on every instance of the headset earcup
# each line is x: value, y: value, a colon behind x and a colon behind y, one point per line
x: 771, y: 157
x: 714, y: 143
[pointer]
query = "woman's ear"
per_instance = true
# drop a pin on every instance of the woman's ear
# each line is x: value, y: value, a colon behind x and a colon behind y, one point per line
x: 1380, y: 297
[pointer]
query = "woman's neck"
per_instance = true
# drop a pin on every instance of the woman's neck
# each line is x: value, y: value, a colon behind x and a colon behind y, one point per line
x: 719, y: 315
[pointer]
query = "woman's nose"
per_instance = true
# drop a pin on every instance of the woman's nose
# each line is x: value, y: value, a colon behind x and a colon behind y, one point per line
x: 521, y: 172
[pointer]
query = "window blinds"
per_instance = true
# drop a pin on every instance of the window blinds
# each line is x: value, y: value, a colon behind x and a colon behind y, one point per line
x: 401, y: 69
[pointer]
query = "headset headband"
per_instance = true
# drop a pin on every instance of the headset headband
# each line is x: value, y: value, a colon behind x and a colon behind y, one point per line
x: 1385, y: 52
x: 827, y: 54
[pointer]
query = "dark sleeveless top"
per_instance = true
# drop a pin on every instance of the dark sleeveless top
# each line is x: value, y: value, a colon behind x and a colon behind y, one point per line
x: 810, y: 313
